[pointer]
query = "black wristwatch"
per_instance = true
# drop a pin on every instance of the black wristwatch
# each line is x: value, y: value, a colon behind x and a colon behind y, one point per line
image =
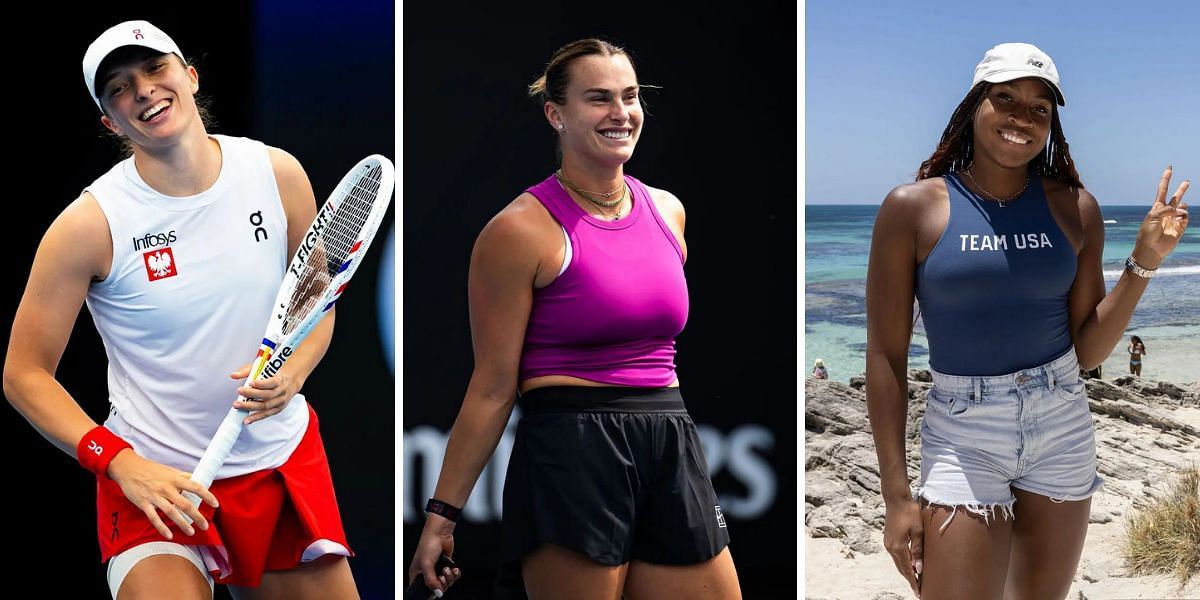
x: 443, y: 509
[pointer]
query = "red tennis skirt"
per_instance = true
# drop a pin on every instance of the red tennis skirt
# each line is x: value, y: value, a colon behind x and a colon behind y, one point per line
x: 265, y: 522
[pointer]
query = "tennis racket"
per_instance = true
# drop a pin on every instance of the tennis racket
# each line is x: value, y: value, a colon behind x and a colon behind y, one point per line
x: 328, y: 255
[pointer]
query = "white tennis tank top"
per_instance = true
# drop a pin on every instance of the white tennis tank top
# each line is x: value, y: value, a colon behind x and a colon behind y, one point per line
x: 185, y: 304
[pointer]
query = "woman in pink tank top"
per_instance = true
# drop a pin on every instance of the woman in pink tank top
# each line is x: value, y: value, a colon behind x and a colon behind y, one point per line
x: 576, y: 295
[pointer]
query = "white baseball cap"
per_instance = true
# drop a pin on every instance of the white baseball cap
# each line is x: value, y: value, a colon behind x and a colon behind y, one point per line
x: 129, y: 33
x: 1006, y: 62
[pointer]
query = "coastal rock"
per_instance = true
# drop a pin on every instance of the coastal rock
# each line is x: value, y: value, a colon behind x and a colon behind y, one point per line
x: 922, y: 375
x: 1146, y: 431
x: 842, y: 410
x: 1135, y: 389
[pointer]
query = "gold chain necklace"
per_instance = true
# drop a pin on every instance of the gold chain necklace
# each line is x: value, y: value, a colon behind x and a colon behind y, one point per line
x: 606, y: 203
x: 998, y: 199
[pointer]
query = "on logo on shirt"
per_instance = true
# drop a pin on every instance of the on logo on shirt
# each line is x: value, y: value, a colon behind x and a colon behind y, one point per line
x: 160, y: 264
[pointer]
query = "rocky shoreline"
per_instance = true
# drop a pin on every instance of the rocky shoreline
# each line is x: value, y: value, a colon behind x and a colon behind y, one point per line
x: 1146, y: 431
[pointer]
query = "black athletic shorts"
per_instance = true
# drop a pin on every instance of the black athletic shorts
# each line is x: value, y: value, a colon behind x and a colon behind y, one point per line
x: 614, y: 473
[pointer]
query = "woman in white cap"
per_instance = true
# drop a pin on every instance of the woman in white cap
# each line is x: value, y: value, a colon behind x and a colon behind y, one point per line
x: 179, y: 293
x: 1001, y: 245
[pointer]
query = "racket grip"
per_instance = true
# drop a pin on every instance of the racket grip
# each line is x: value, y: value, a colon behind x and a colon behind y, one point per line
x: 417, y: 589
x: 218, y: 450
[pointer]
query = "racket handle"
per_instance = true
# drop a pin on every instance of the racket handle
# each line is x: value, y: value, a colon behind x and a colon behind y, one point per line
x: 218, y: 450
x: 417, y: 590
x: 194, y: 499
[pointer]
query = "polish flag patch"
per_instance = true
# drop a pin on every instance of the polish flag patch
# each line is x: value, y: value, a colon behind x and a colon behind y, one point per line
x: 160, y: 264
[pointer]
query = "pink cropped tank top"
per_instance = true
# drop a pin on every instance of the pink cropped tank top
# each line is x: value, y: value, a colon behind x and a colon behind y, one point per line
x: 612, y: 315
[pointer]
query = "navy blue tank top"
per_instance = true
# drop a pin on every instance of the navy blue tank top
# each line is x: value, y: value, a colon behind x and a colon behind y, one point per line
x: 993, y: 292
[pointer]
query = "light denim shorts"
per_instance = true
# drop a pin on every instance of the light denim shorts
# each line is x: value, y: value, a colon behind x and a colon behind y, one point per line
x: 983, y: 436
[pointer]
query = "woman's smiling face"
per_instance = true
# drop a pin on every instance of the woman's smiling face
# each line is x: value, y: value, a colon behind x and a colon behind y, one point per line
x: 1012, y: 122
x: 148, y: 97
x: 602, y: 116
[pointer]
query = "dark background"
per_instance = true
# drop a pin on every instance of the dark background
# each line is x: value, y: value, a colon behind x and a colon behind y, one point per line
x: 720, y: 134
x: 316, y: 79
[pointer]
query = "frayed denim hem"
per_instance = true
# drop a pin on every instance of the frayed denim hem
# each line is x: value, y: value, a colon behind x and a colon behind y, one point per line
x: 987, y: 511
x: 1097, y: 485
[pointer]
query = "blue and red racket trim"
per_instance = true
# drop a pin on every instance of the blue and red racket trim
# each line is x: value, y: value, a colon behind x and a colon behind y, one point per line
x: 341, y: 269
x: 265, y: 350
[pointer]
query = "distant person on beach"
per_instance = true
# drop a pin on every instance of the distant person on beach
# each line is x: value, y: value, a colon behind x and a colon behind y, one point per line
x: 1136, y: 350
x: 1001, y: 245
x: 819, y: 370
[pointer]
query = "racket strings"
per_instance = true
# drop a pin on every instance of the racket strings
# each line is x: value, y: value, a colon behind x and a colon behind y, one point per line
x: 350, y: 218
x: 333, y: 247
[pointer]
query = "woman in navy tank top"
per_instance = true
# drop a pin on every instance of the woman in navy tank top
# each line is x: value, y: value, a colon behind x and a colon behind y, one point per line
x: 576, y: 295
x: 1001, y: 246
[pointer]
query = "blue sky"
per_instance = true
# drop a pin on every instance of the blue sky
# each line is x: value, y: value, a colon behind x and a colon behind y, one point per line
x: 883, y: 77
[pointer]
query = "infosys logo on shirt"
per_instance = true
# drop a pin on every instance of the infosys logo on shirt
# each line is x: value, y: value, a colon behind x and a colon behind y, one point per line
x: 153, y: 240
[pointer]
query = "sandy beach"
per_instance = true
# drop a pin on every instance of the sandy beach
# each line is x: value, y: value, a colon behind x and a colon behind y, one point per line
x: 831, y: 573
x: 1174, y: 359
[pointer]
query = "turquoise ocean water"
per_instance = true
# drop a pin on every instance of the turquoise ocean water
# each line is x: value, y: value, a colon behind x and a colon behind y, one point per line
x: 837, y: 241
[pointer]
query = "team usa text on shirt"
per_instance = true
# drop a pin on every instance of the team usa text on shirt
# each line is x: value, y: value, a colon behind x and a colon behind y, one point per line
x: 1021, y: 241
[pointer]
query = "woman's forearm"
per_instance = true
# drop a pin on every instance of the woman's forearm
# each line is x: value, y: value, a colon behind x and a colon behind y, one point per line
x: 43, y: 401
x: 473, y: 439
x: 1104, y: 328
x: 309, y: 353
x: 887, y: 407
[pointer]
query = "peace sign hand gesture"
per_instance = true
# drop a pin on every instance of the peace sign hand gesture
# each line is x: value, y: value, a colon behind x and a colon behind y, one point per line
x: 1164, y: 224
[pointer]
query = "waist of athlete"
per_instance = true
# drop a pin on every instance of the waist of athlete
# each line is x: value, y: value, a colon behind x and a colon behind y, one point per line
x: 567, y: 380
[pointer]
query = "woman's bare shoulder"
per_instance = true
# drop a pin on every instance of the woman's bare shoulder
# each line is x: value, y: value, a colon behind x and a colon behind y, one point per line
x: 523, y: 224
x: 82, y: 221
x: 912, y: 203
x: 525, y: 212
x: 79, y: 241
x: 1065, y: 193
x: 917, y: 194
x: 664, y: 200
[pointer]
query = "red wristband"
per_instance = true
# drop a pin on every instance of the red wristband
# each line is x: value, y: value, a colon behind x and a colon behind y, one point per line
x: 97, y: 448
